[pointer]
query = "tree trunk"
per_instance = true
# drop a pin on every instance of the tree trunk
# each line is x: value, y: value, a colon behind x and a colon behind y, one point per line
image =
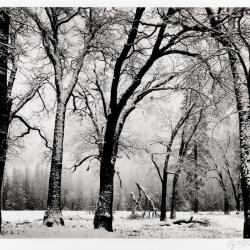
x: 236, y: 194
x: 163, y: 216
x: 180, y: 123
x: 226, y: 204
x: 237, y: 200
x: 196, y: 200
x: 246, y: 202
x: 53, y: 215
x: 5, y: 102
x: 196, y: 205
x: 173, y: 200
x: 174, y: 194
x: 196, y: 182
x: 104, y: 211
x: 243, y: 108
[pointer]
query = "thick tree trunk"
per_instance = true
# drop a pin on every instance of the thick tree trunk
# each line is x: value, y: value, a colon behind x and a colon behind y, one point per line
x: 174, y: 194
x: 104, y: 211
x: 243, y: 108
x: 163, y: 216
x: 246, y: 202
x: 53, y: 215
x: 104, y: 214
x: 5, y: 102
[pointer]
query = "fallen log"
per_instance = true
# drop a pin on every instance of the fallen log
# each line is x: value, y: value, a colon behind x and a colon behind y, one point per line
x: 203, y: 223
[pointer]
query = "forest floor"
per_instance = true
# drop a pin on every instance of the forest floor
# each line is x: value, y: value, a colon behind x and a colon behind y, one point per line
x: 79, y: 224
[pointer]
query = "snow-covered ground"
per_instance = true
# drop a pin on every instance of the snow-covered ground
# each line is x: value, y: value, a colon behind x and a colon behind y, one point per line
x: 79, y: 224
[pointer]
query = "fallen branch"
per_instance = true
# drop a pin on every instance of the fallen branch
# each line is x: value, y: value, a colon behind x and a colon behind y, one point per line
x: 203, y: 223
x: 137, y: 202
x: 152, y: 206
x: 137, y: 206
x: 179, y: 222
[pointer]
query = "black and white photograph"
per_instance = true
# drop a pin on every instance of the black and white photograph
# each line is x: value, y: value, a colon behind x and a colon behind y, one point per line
x: 125, y: 122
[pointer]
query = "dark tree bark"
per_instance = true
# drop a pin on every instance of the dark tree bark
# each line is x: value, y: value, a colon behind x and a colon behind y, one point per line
x: 196, y: 205
x: 223, y: 185
x: 176, y: 177
x: 235, y: 191
x: 174, y: 195
x: 54, y: 207
x: 235, y: 187
x: 182, y: 152
x: 196, y: 200
x: 237, y: 205
x: 163, y: 215
x: 226, y: 203
x: 5, y: 101
x: 7, y: 112
x: 104, y: 213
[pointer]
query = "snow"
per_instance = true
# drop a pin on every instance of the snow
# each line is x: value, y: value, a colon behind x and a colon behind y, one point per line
x: 79, y: 224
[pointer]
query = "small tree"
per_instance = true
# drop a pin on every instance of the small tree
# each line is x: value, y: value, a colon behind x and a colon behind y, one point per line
x: 223, y: 183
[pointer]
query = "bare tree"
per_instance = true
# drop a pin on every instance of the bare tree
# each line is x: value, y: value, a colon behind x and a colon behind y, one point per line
x: 165, y: 172
x: 223, y: 183
x: 184, y: 145
x: 242, y: 99
x: 53, y: 38
x: 228, y: 169
x: 9, y: 53
x: 4, y: 98
x: 225, y: 26
x: 124, y: 97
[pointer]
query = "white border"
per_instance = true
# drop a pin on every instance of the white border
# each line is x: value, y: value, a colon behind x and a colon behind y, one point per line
x: 124, y: 3
x: 121, y: 244
x: 94, y: 244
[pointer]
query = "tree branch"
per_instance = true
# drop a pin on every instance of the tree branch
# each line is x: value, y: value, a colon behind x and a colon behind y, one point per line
x: 123, y: 56
x: 29, y: 128
x: 83, y: 160
x: 31, y: 93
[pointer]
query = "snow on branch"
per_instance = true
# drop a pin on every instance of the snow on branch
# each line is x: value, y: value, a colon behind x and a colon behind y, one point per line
x: 83, y: 160
x: 29, y: 128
